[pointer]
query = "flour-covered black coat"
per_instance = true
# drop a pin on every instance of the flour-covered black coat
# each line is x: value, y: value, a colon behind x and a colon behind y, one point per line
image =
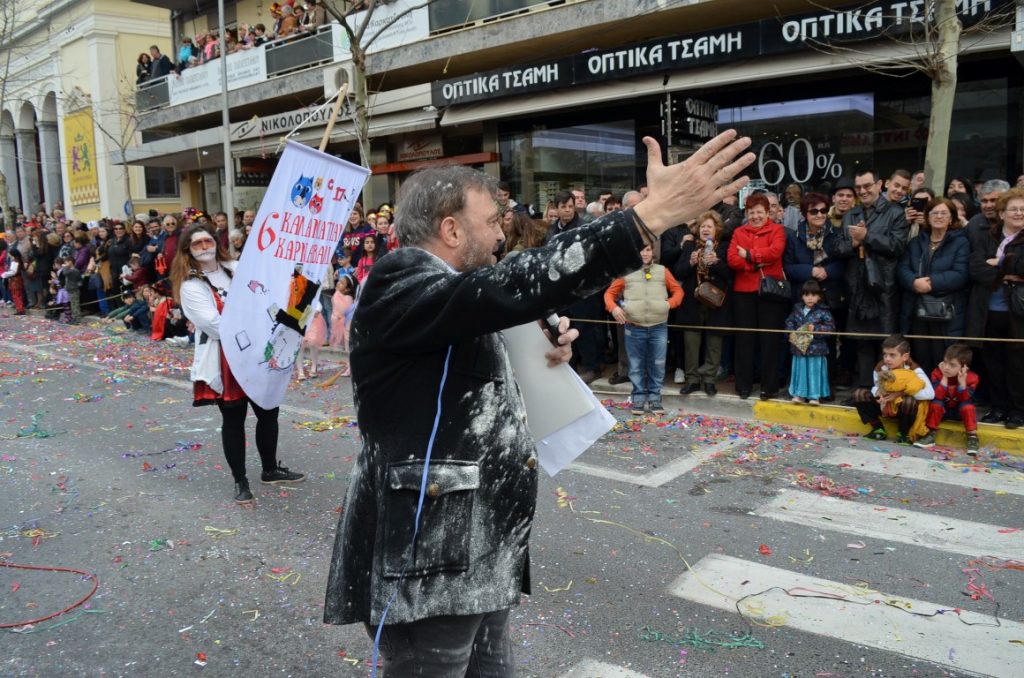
x: 482, y: 483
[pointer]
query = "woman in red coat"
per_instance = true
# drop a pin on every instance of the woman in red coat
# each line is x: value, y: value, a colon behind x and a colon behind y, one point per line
x: 755, y: 251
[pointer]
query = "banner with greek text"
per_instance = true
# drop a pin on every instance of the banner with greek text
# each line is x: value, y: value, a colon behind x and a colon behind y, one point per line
x: 275, y: 290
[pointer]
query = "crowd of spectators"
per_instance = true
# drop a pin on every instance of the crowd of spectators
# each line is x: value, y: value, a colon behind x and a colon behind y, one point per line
x: 117, y: 270
x: 290, y: 19
x: 887, y: 254
x: 884, y: 252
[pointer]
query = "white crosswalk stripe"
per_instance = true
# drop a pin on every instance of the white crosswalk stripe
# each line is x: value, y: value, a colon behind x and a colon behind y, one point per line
x: 593, y: 669
x: 916, y: 468
x: 885, y: 524
x: 658, y: 477
x: 720, y: 581
x: 858, y: 615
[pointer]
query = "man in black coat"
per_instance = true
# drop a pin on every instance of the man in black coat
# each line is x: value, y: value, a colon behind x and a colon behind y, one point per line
x: 873, y: 238
x: 431, y: 377
x: 590, y: 346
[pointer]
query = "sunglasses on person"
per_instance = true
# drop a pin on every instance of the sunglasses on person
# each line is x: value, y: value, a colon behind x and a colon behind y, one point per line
x: 817, y: 210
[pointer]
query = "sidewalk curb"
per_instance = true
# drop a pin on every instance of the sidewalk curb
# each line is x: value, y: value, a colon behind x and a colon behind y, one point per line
x: 845, y: 419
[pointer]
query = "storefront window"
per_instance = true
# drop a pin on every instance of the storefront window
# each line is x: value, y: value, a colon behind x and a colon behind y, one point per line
x: 539, y: 163
x: 812, y: 142
x: 979, y: 147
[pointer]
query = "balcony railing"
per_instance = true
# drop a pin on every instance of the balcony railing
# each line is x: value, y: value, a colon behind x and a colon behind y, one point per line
x: 246, y: 68
x: 407, y: 22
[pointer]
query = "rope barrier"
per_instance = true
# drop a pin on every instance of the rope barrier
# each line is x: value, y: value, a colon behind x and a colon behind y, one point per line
x: 863, y: 335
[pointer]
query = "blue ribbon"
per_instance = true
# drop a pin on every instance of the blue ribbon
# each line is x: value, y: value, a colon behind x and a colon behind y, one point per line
x: 419, y: 511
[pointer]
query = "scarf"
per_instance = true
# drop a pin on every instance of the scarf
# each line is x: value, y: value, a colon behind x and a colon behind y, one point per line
x: 703, y: 269
x: 816, y: 243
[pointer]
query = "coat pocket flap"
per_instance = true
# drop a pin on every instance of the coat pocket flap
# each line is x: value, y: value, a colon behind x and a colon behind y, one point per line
x: 444, y: 475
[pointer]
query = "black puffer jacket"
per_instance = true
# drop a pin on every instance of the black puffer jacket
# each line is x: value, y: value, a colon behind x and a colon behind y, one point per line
x: 482, y: 479
x: 947, y: 267
x: 118, y: 252
x: 870, y: 310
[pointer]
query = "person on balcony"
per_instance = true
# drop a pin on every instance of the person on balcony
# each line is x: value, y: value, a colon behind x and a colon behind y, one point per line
x: 185, y: 53
x: 161, y: 66
x: 142, y: 68
x: 289, y: 24
x: 316, y: 16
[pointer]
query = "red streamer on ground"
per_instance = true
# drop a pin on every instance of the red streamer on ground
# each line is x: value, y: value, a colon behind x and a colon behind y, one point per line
x: 95, y: 585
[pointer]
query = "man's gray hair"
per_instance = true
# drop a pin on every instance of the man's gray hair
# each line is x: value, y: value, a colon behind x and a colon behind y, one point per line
x: 631, y: 199
x: 430, y: 195
x: 994, y: 186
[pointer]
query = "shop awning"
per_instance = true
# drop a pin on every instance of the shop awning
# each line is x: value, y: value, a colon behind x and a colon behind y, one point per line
x: 729, y: 74
x: 379, y: 125
x: 550, y: 101
x: 191, y: 151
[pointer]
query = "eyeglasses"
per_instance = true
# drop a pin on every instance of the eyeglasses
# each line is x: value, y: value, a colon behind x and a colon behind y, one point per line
x: 1014, y: 210
x: 943, y: 215
x: 817, y: 210
x: 204, y: 244
x: 170, y: 223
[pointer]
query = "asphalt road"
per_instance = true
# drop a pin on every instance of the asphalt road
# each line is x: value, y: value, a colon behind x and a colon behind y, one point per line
x: 690, y: 545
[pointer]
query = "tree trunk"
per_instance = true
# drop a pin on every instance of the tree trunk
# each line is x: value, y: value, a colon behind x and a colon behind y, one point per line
x: 360, y: 116
x: 128, y: 190
x: 943, y: 94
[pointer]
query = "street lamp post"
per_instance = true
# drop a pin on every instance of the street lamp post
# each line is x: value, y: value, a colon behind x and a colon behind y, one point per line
x: 228, y: 203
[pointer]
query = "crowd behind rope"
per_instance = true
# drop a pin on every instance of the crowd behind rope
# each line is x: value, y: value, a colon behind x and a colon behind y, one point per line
x: 290, y: 20
x: 876, y: 254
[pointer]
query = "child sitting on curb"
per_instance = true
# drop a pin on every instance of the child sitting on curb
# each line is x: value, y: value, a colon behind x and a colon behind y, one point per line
x: 902, y: 390
x: 954, y: 385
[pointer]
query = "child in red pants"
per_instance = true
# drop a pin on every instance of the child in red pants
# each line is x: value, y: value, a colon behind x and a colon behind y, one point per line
x: 954, y: 385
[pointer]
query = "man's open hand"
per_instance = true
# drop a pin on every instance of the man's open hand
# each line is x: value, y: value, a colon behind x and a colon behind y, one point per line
x: 678, y: 193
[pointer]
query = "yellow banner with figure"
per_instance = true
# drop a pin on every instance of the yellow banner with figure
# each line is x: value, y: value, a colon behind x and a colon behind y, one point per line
x: 80, y: 144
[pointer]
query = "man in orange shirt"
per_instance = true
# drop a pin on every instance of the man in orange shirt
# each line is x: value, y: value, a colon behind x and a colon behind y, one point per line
x: 646, y: 296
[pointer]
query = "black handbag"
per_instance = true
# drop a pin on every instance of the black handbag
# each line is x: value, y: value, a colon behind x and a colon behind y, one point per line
x: 774, y: 289
x: 1015, y: 299
x: 935, y: 308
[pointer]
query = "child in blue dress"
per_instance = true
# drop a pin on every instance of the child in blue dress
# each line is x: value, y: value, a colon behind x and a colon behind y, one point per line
x: 809, y: 375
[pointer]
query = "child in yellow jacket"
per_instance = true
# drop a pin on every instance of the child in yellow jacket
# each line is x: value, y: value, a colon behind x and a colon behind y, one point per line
x: 902, y: 390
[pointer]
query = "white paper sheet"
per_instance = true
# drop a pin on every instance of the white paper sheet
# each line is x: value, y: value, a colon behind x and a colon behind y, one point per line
x: 561, y: 448
x: 552, y: 396
x: 563, y: 415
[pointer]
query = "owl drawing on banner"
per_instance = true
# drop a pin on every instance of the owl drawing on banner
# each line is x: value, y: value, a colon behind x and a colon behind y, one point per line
x: 301, y: 191
x: 316, y: 203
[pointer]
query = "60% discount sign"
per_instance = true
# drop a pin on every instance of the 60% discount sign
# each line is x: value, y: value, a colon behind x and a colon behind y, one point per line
x: 799, y: 161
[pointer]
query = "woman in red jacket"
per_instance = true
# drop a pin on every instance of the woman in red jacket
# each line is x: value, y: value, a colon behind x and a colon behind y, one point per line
x: 755, y: 251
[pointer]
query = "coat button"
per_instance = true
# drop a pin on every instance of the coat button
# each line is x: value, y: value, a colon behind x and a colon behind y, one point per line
x: 531, y: 463
x: 433, y: 490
